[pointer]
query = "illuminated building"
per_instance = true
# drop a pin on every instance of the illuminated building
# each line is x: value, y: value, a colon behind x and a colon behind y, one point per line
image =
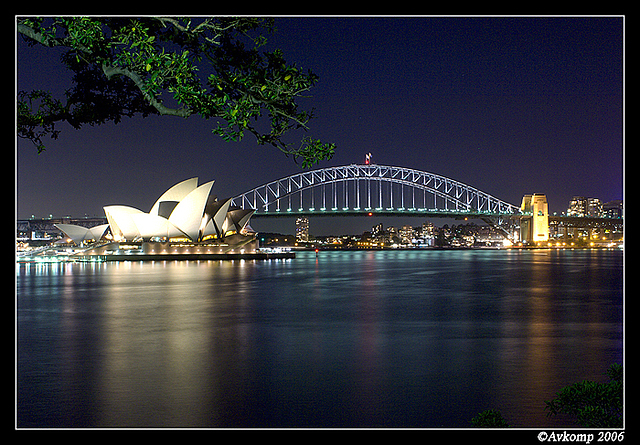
x: 594, y: 208
x: 534, y: 227
x: 78, y: 234
x: 612, y: 209
x: 406, y: 234
x: 185, y: 212
x: 302, y: 229
x: 581, y: 206
x: 577, y: 206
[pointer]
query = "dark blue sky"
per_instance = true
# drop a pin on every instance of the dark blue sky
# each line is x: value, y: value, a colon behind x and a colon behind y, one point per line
x: 509, y: 105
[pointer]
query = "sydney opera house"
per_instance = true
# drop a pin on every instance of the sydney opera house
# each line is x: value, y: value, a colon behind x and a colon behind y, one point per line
x: 187, y: 218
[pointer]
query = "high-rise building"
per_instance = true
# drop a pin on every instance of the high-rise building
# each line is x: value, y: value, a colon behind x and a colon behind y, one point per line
x: 612, y: 209
x: 535, y: 228
x: 577, y: 206
x: 302, y: 229
x: 594, y: 207
x: 582, y: 206
x: 428, y: 233
x: 406, y: 234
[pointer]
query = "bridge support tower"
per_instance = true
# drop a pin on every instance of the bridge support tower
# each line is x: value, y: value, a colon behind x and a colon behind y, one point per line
x: 534, y: 223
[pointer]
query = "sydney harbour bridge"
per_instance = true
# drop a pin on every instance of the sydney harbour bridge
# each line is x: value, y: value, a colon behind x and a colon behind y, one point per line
x: 362, y: 189
x: 375, y: 189
x: 371, y: 189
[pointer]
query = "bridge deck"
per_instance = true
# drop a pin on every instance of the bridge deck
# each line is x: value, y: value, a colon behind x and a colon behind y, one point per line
x: 380, y: 212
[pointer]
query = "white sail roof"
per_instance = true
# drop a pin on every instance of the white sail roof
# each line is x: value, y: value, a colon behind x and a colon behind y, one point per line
x: 189, y: 212
x: 122, y: 225
x: 150, y: 226
x: 176, y: 193
x: 186, y: 209
x: 79, y: 233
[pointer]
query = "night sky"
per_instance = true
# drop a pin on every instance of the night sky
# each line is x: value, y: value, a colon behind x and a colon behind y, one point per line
x: 508, y: 105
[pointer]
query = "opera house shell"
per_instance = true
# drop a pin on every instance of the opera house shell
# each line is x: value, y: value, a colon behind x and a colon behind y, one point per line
x: 78, y: 234
x: 185, y: 212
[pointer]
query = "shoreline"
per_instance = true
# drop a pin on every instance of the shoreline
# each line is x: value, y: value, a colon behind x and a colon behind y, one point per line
x: 321, y: 249
x: 159, y: 257
x: 290, y: 254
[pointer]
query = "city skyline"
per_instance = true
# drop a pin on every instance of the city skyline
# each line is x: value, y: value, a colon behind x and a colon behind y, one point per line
x: 511, y: 105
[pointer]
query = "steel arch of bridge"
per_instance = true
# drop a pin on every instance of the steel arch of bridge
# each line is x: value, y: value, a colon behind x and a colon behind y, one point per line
x: 355, y: 189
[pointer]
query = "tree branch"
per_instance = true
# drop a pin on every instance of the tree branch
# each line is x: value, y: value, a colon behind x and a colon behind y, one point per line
x: 37, y: 36
x: 111, y: 71
x: 45, y: 40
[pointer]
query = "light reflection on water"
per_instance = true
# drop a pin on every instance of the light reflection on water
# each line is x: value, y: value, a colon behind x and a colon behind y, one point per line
x: 349, y: 339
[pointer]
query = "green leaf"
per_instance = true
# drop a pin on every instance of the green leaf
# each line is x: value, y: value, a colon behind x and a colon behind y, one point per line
x: 262, y: 82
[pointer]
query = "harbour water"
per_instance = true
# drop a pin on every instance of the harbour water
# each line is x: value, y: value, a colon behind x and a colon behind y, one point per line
x: 417, y: 339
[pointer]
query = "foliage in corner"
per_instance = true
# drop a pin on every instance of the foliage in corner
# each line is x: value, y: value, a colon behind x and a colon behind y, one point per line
x: 594, y: 405
x: 212, y: 67
x: 491, y: 418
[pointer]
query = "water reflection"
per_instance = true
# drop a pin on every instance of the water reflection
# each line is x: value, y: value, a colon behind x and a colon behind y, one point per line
x: 390, y: 338
x: 189, y: 329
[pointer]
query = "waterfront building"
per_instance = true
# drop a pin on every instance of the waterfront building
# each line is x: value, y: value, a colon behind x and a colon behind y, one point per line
x: 577, y: 206
x: 583, y: 206
x: 428, y: 233
x: 185, y: 212
x: 406, y: 234
x: 612, y: 209
x: 594, y: 208
x: 302, y: 229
